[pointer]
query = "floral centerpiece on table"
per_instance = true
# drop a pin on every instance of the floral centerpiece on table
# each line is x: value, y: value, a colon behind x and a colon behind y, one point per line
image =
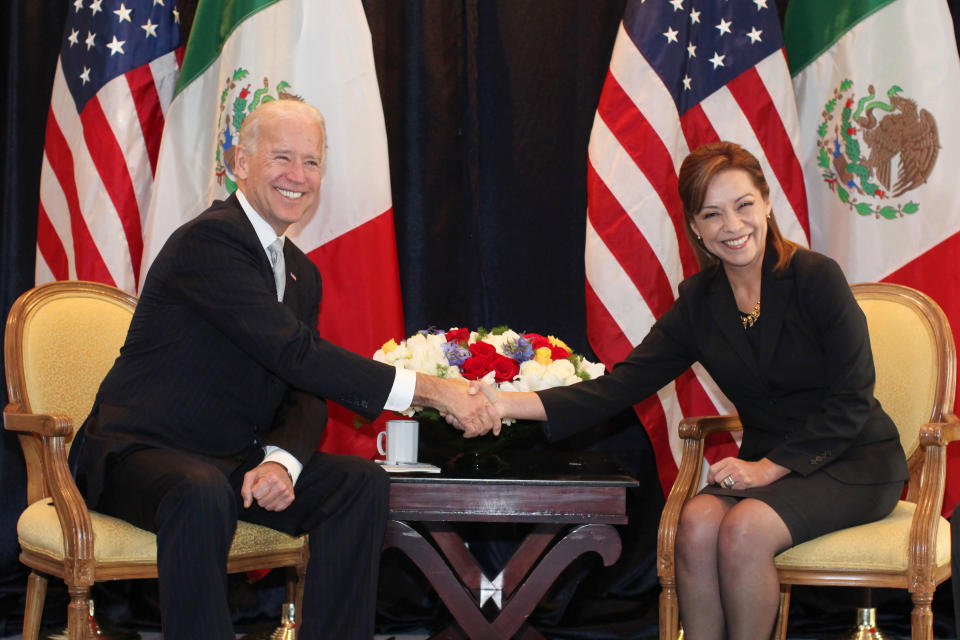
x: 500, y: 357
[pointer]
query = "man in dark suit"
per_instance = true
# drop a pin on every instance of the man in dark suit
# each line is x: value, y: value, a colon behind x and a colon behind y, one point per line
x: 216, y: 405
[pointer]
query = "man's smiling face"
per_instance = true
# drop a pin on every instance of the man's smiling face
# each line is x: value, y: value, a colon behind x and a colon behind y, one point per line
x: 281, y: 174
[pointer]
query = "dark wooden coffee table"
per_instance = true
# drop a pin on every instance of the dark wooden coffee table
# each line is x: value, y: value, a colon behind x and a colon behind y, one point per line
x: 572, y: 498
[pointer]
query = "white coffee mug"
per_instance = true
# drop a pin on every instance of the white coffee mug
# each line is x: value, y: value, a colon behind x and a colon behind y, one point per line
x: 402, y: 441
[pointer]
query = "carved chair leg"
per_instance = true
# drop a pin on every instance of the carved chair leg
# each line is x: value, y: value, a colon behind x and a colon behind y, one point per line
x: 78, y: 613
x: 921, y: 619
x: 669, y: 614
x: 33, y: 609
x: 783, y: 614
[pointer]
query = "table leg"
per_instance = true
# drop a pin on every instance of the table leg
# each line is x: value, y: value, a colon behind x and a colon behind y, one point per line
x: 601, y: 538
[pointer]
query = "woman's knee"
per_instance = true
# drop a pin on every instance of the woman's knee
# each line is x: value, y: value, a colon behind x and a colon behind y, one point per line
x: 751, y: 531
x: 699, y: 523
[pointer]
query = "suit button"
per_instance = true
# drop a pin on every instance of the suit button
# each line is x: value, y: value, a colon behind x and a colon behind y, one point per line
x: 256, y: 442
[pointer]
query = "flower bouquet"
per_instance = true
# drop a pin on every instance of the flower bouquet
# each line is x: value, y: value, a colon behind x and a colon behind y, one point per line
x: 500, y: 357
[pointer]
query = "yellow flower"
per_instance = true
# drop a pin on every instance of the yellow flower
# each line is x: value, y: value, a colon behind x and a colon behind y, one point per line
x: 542, y: 356
x: 389, y: 346
x: 557, y: 342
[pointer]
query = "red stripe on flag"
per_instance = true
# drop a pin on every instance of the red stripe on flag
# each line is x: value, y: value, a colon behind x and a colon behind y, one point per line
x: 108, y: 157
x: 51, y: 247
x: 697, y: 128
x: 89, y: 262
x: 628, y: 245
x: 929, y: 272
x: 361, y: 309
x: 694, y: 401
x: 604, y: 334
x: 758, y: 107
x: 147, y: 102
x: 650, y: 412
x: 611, y: 346
x: 639, y: 139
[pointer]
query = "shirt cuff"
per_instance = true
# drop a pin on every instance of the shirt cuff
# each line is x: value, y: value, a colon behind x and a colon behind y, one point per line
x: 273, y: 453
x: 401, y: 394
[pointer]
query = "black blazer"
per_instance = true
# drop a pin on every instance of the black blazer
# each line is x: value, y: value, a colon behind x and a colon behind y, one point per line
x: 805, y: 396
x: 213, y: 365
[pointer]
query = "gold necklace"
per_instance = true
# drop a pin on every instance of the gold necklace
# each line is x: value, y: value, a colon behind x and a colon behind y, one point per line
x: 748, y: 319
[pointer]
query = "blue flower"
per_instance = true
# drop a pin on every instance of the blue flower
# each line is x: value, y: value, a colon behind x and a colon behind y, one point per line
x: 455, y: 353
x: 521, y: 350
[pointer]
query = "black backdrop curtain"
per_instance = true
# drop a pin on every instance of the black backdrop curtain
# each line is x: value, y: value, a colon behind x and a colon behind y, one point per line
x: 488, y: 107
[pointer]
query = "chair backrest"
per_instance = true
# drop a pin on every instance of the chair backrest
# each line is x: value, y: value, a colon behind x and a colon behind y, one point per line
x: 61, y: 340
x: 914, y: 356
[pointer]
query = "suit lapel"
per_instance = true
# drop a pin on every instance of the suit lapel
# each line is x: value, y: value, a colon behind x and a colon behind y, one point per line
x: 291, y: 292
x: 723, y: 308
x: 775, y: 292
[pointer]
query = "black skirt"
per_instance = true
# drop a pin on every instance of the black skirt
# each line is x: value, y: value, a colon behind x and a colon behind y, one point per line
x: 817, y: 504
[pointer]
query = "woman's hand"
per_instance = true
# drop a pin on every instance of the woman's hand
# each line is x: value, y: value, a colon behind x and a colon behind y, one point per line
x: 734, y: 473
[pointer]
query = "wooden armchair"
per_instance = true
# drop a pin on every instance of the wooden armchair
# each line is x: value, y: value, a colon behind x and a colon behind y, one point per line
x: 61, y: 339
x: 915, y: 361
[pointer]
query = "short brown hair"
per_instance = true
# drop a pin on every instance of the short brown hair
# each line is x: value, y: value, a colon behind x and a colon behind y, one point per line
x: 696, y: 172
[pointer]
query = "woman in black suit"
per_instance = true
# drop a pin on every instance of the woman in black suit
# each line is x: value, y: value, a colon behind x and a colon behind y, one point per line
x: 778, y: 329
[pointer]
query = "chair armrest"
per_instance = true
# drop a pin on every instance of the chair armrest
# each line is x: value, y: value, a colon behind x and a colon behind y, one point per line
x: 57, y: 482
x: 14, y: 419
x: 702, y: 426
x: 934, y: 438
x: 940, y: 433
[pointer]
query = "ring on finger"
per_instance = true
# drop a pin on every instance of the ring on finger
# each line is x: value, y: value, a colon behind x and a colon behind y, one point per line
x: 728, y: 482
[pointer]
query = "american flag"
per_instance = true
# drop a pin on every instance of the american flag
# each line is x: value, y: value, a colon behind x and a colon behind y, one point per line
x: 683, y: 73
x: 114, y: 81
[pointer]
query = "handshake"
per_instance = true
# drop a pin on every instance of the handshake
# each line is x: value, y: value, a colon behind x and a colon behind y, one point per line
x: 472, y: 407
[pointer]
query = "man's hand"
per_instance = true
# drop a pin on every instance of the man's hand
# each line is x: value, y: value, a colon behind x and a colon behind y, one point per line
x: 470, y: 412
x: 269, y: 484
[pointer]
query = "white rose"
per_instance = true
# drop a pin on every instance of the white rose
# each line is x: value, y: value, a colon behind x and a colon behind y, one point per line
x: 531, y: 375
x: 561, y: 369
x: 592, y: 369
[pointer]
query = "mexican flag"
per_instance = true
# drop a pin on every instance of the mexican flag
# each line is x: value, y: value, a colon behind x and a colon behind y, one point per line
x: 242, y: 53
x: 877, y: 85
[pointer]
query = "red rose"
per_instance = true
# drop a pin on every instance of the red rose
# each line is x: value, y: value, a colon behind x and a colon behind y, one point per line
x: 458, y: 335
x: 537, y: 340
x: 558, y: 353
x: 475, y: 368
x: 483, y: 349
x: 506, y: 368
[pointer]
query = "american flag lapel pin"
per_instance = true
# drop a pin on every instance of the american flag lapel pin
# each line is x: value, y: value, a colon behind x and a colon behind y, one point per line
x: 292, y: 275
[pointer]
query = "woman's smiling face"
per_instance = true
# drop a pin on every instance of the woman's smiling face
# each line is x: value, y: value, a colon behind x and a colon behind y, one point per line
x: 733, y: 220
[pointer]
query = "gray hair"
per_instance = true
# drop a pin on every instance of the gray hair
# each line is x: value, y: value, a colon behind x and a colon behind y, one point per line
x: 249, y: 135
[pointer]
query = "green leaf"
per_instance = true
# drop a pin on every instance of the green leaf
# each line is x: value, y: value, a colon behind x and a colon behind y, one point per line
x: 499, y: 331
x: 844, y: 196
x: 888, y: 212
x: 830, y: 106
x: 846, y: 84
x: 441, y: 371
x: 823, y: 159
x: 863, y: 208
x: 240, y: 74
x: 911, y: 207
x: 822, y: 129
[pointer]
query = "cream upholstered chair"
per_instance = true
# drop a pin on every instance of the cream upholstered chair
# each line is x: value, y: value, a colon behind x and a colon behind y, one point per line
x: 915, y: 360
x: 61, y: 339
